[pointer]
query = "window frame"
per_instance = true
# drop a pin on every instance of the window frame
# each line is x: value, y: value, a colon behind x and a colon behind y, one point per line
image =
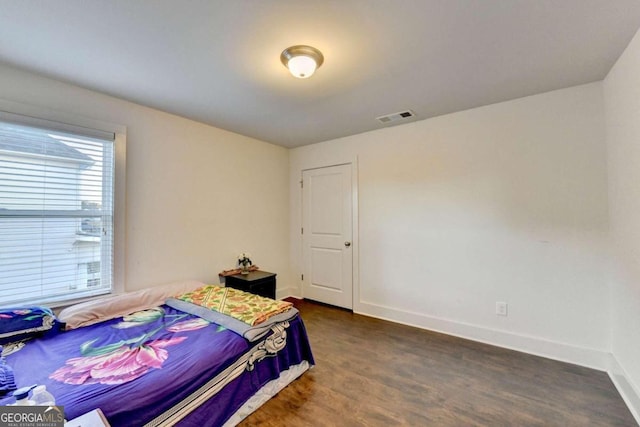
x: 35, y: 114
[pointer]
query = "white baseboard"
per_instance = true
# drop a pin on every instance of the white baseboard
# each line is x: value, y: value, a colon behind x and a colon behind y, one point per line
x: 591, y: 358
x: 629, y: 392
x: 286, y: 292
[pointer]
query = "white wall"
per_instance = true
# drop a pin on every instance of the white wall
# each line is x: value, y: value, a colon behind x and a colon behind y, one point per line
x: 506, y: 202
x: 196, y: 195
x: 622, y: 111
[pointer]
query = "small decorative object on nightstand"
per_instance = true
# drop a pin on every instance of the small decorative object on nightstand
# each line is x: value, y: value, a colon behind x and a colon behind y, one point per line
x: 257, y: 282
x: 244, y: 261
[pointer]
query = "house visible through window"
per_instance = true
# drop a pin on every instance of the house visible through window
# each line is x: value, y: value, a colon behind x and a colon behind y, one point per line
x: 56, y: 212
x: 93, y: 274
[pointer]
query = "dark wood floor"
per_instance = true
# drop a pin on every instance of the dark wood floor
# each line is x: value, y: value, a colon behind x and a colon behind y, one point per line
x: 374, y: 373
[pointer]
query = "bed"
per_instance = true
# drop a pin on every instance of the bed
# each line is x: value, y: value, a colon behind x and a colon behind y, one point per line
x: 163, y: 366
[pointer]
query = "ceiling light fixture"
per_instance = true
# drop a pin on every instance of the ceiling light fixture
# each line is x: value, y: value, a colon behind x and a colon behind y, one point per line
x: 302, y: 61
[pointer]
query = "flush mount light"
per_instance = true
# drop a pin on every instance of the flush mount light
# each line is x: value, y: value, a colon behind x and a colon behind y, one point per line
x: 302, y: 61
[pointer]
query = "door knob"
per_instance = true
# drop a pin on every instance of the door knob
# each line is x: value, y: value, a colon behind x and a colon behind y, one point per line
x: 347, y: 244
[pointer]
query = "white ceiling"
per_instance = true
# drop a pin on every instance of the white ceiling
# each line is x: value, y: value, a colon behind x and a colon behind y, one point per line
x: 218, y: 61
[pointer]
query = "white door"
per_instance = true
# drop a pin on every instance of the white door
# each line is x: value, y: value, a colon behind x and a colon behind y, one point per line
x: 326, y: 235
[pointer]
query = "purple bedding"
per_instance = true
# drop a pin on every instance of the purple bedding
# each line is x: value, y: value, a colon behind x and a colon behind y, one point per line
x: 140, y: 368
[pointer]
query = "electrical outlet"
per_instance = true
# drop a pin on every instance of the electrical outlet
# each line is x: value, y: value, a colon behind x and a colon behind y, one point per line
x: 501, y: 308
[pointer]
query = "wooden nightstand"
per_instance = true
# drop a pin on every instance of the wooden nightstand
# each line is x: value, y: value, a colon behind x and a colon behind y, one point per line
x: 257, y: 282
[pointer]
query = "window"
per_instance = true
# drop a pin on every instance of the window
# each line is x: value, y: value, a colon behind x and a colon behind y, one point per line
x: 56, y: 211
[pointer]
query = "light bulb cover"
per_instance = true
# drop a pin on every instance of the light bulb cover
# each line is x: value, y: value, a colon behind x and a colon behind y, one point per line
x: 302, y: 61
x: 302, y: 66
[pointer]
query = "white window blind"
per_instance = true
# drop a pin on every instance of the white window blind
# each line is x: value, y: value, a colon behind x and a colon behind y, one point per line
x: 56, y: 211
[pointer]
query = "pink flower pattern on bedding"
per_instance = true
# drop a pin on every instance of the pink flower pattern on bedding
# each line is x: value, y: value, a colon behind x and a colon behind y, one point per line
x: 119, y: 366
x: 126, y: 360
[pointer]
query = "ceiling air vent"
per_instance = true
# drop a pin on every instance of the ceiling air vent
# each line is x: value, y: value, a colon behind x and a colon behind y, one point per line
x: 390, y: 118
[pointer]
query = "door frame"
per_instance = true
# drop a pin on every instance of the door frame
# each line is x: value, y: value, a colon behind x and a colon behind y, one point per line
x: 355, y: 237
